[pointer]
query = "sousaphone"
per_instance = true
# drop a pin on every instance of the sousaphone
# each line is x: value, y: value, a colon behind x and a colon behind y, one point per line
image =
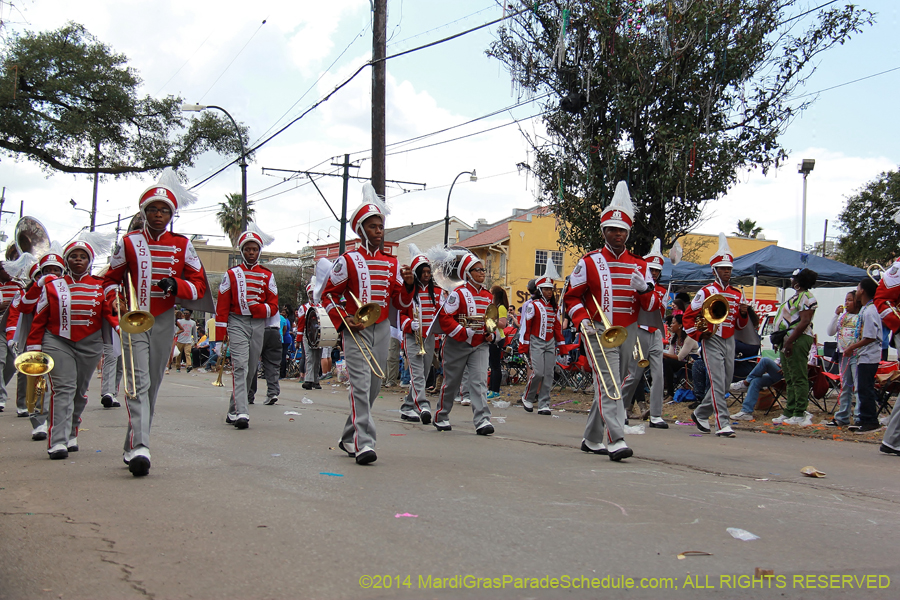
x: 30, y: 236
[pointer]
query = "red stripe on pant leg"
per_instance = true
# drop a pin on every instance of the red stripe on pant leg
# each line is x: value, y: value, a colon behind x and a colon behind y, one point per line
x: 412, y: 379
x: 50, y: 415
x: 712, y: 391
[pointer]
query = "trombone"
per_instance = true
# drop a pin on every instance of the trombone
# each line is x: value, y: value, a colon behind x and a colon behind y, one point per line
x: 220, y: 363
x: 367, y: 315
x: 613, y: 336
x: 639, y: 354
x: 420, y: 339
x: 34, y: 365
x: 133, y: 321
x: 876, y: 269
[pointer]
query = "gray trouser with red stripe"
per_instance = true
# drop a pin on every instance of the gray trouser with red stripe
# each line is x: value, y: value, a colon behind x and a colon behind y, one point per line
x: 652, y: 349
x: 542, y: 354
x: 718, y: 356
x: 892, y: 433
x: 365, y: 384
x: 73, y: 366
x: 151, y: 351
x: 457, y: 357
x: 270, y: 356
x: 112, y: 372
x: 245, y: 334
x: 419, y: 365
x: 313, y: 359
x: 606, y: 419
x: 7, y: 370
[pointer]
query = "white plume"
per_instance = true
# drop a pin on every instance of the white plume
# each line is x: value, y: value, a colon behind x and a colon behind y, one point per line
x: 675, y: 253
x: 18, y: 269
x: 169, y: 179
x: 265, y: 237
x: 100, y: 242
x: 551, y: 271
x: 371, y: 197
x: 323, y: 272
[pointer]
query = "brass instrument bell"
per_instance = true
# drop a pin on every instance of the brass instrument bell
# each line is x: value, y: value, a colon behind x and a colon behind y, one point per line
x: 34, y: 365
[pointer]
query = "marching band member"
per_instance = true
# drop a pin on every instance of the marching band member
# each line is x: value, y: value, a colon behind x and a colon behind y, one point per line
x: 614, y: 281
x: 17, y: 327
x: 312, y: 357
x: 248, y: 297
x: 415, y: 324
x: 466, y: 346
x: 887, y: 302
x: 67, y: 326
x: 111, y: 375
x: 541, y: 336
x: 717, y: 342
x: 9, y: 288
x: 163, y: 267
x: 651, y: 340
x: 357, y: 278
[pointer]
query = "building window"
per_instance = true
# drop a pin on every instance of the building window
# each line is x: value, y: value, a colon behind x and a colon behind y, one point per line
x: 540, y: 261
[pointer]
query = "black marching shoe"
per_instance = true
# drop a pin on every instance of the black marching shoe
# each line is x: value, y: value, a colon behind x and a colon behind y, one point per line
x: 271, y: 401
x: 889, y: 450
x: 620, y: 453
x: 410, y: 418
x: 242, y: 423
x: 366, y: 457
x: 316, y: 386
x: 585, y: 448
x: 703, y: 428
x: 486, y: 429
x: 426, y: 417
x: 229, y: 420
x: 59, y: 454
x: 442, y: 425
x: 106, y: 401
x: 307, y: 385
x: 139, y: 466
x: 658, y: 424
x: 344, y: 448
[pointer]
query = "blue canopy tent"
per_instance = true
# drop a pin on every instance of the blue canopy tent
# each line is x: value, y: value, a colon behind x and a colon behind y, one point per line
x: 685, y: 274
x: 773, y: 266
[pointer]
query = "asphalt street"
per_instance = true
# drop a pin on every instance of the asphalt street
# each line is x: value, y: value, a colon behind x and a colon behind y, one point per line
x: 277, y: 511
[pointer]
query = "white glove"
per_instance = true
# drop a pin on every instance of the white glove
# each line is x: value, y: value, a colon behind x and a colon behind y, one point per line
x: 587, y: 327
x: 637, y: 282
x: 45, y: 279
x: 498, y: 335
x: 11, y: 344
x: 470, y: 333
x: 415, y: 325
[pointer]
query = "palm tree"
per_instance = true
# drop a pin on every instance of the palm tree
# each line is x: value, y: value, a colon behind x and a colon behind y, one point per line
x: 747, y: 228
x: 229, y: 216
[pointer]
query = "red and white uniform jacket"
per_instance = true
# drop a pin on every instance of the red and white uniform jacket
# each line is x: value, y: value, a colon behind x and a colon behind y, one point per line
x: 150, y: 260
x: 72, y: 309
x: 12, y: 321
x: 603, y: 276
x: 371, y: 277
x: 732, y: 322
x: 539, y: 320
x: 249, y: 291
x: 468, y: 300
x: 9, y: 290
x: 657, y: 303
x: 427, y: 309
x: 887, y: 295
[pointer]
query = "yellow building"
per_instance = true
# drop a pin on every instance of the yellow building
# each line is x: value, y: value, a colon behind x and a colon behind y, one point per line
x: 515, y: 251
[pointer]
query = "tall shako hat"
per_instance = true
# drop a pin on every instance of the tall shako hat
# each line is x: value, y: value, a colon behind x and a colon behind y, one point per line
x: 620, y: 212
x: 254, y: 234
x: 168, y: 189
x: 465, y: 265
x: 417, y: 258
x: 723, y: 256
x: 53, y: 257
x: 550, y: 274
x: 372, y: 204
x: 655, y: 258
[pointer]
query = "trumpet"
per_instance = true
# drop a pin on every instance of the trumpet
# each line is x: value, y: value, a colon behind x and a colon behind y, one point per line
x: 34, y: 365
x: 220, y: 364
x: 713, y: 313
x: 417, y: 315
x: 367, y: 315
x: 639, y: 355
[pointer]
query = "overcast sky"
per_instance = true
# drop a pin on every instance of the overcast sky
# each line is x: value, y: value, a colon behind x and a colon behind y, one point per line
x: 219, y: 52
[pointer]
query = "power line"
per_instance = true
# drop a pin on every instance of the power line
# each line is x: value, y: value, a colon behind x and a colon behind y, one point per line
x: 412, y: 37
x: 232, y: 60
x: 183, y: 65
x: 462, y: 137
x: 847, y: 83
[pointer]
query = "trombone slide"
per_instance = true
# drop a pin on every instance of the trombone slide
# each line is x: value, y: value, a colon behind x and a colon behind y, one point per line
x: 612, y: 389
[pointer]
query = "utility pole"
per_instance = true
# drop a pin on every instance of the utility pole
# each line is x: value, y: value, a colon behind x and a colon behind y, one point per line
x: 21, y: 208
x: 379, y: 75
x: 824, y: 238
x: 346, y: 177
x: 118, y: 225
x: 96, y: 183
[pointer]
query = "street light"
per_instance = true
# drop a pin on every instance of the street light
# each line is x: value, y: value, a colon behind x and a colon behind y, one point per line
x: 243, y: 163
x: 74, y: 205
x: 472, y: 177
x: 804, y: 168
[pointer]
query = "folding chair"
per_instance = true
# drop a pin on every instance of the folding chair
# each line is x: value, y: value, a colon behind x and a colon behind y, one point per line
x: 566, y: 372
x: 742, y: 367
x: 887, y: 385
x: 819, y: 386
